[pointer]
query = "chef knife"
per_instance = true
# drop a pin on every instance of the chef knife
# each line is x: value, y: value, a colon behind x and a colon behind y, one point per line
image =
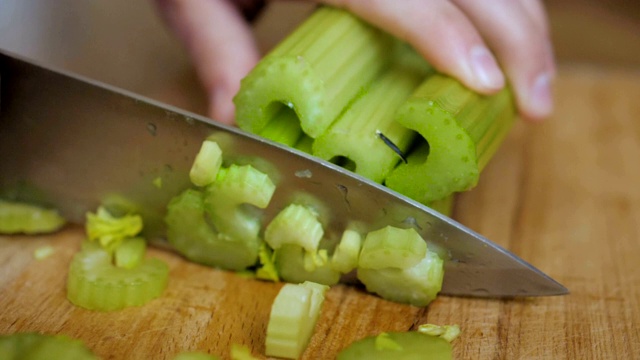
x: 74, y: 144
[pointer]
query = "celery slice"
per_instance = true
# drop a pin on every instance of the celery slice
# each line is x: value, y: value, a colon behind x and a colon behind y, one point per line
x: 460, y: 131
x: 293, y: 317
x: 130, y: 253
x: 392, y: 247
x: 346, y: 254
x: 292, y: 267
x: 36, y: 346
x: 229, y: 199
x: 403, y: 346
x: 417, y: 285
x: 207, y: 163
x: 17, y: 217
x: 95, y: 283
x: 192, y: 236
x: 363, y: 134
x: 297, y: 225
x: 267, y: 269
x: 109, y: 230
x: 317, y: 71
x: 447, y: 332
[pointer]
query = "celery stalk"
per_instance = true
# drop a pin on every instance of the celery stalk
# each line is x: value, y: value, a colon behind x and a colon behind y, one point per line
x: 398, y: 346
x: 290, y: 262
x: 366, y: 135
x: 460, y: 130
x: 392, y: 247
x: 17, y: 217
x: 283, y: 127
x: 36, y: 346
x: 347, y: 252
x: 207, y: 163
x: 295, y: 225
x: 130, y: 253
x: 317, y: 71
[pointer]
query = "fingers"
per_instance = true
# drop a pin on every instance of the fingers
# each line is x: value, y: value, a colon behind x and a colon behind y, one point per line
x: 517, y: 32
x: 221, y: 45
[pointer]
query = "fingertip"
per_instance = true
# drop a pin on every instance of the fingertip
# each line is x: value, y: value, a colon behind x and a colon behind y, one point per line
x: 536, y: 103
x: 221, y: 107
x: 487, y: 76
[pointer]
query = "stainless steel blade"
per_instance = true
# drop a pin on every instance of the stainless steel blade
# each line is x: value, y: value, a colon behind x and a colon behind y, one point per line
x: 75, y: 144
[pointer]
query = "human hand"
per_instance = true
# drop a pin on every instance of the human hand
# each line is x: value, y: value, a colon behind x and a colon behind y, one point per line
x: 470, y: 40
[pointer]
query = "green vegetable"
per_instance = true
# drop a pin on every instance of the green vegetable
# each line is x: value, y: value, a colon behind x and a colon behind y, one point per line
x: 109, y: 230
x: 346, y: 254
x: 241, y: 352
x: 207, y: 163
x: 392, y: 247
x: 447, y: 332
x: 460, y: 131
x: 96, y: 283
x: 417, y: 285
x: 296, y: 265
x: 296, y: 225
x: 293, y: 317
x: 317, y: 71
x: 267, y: 269
x: 35, y: 346
x: 17, y: 218
x: 130, y: 253
x: 398, y: 346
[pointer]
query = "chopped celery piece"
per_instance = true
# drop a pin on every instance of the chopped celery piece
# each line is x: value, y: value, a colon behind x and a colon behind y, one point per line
x: 195, y: 355
x: 399, y: 346
x: 392, y: 247
x: 346, y: 254
x: 417, y: 285
x: 95, y: 283
x: 229, y: 199
x: 295, y: 224
x: 317, y: 71
x: 241, y: 352
x: 36, y: 346
x: 366, y: 130
x: 267, y: 269
x: 206, y: 165
x: 460, y: 130
x: 23, y: 218
x: 109, y: 230
x: 293, y: 317
x: 447, y: 332
x: 130, y: 252
x: 192, y: 236
x: 292, y: 267
x: 43, y: 252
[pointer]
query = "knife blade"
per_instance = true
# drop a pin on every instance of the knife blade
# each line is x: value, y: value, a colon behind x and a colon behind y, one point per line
x: 74, y: 143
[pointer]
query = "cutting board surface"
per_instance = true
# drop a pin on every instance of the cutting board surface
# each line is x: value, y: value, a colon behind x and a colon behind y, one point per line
x: 564, y: 195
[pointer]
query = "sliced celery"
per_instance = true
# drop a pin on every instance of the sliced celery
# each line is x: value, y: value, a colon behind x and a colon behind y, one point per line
x: 346, y: 254
x: 95, y: 283
x: 417, y: 285
x: 229, y: 199
x: 110, y: 230
x: 36, y: 346
x: 293, y: 317
x: 447, y: 332
x: 191, y: 235
x: 207, y: 163
x: 392, y: 247
x: 283, y: 127
x: 130, y: 253
x: 267, y: 269
x: 17, y: 217
x: 460, y: 131
x: 404, y: 346
x: 366, y: 134
x: 295, y: 225
x: 317, y: 71
x: 290, y: 262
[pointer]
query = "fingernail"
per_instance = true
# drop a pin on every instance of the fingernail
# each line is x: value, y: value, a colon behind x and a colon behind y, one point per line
x: 485, y: 68
x: 541, y: 98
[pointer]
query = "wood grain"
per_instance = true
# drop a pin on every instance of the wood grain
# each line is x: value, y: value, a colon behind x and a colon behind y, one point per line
x: 564, y: 195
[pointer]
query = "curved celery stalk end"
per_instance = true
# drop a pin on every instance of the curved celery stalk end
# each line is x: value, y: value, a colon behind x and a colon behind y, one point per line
x: 444, y: 164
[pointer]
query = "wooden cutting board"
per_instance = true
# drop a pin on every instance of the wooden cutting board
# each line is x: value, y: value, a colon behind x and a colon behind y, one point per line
x: 563, y: 195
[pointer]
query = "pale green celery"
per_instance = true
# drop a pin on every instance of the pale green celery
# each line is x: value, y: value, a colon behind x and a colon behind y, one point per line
x: 130, y: 252
x: 305, y: 144
x: 206, y: 164
x: 290, y: 262
x: 293, y: 317
x: 23, y: 218
x: 231, y: 202
x: 346, y: 254
x: 95, y: 283
x: 267, y: 269
x: 110, y: 230
x: 392, y: 247
x: 295, y: 225
x: 447, y: 332
x: 241, y: 352
x: 361, y: 135
x: 317, y: 71
x: 417, y: 285
x: 459, y: 130
x: 399, y: 346
x: 36, y: 346
x: 444, y: 206
x: 283, y: 128
x: 192, y: 236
